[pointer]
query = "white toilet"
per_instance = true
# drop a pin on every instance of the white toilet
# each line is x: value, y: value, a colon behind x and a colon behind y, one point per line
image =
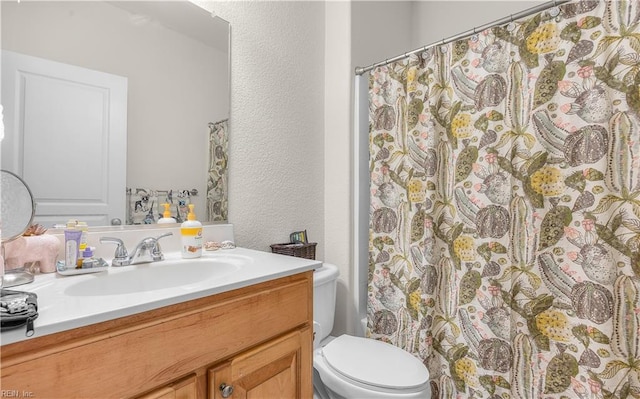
x: 353, y: 367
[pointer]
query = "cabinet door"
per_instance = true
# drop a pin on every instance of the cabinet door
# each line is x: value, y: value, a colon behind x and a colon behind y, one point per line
x: 278, y: 369
x: 186, y: 388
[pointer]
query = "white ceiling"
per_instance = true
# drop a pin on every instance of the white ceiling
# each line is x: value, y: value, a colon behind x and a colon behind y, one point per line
x: 184, y: 17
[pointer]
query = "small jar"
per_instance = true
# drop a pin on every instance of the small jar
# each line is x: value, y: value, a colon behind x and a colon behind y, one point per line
x: 87, y: 258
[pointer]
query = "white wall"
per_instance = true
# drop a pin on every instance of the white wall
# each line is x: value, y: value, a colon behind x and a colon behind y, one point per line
x: 338, y: 160
x: 380, y: 30
x: 436, y: 20
x: 276, y: 160
x: 177, y: 85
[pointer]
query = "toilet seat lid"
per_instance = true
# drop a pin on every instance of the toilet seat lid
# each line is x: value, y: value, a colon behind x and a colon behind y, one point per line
x: 375, y: 363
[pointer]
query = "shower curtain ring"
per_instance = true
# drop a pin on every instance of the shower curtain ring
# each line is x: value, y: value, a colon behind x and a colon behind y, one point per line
x: 511, y: 25
x: 443, y: 49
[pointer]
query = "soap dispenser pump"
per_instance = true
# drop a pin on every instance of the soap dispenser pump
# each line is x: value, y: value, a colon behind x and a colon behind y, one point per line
x: 191, y: 232
x: 166, y: 216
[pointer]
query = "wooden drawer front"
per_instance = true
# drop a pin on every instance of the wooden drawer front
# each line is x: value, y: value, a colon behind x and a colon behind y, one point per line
x: 138, y: 358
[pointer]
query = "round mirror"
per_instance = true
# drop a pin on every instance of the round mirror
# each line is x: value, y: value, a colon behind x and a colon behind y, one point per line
x: 17, y: 206
x: 16, y: 214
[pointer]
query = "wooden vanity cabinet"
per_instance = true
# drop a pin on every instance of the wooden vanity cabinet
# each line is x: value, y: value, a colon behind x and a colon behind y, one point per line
x: 254, y: 341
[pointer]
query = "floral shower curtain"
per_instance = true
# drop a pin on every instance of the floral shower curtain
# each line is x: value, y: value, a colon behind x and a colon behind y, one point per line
x: 505, y: 213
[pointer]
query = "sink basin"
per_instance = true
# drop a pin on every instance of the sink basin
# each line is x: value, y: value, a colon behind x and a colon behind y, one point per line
x: 155, y: 276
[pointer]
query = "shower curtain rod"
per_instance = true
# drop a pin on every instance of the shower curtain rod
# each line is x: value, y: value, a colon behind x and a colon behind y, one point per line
x: 502, y: 21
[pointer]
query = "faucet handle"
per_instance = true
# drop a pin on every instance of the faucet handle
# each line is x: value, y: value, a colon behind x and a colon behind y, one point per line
x: 121, y: 257
x: 156, y: 252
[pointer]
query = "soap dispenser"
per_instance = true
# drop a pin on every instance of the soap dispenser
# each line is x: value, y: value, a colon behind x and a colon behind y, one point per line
x: 166, y: 216
x: 191, y: 232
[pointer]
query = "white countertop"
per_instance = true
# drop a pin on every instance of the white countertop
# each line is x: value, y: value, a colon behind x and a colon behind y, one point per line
x: 64, y: 303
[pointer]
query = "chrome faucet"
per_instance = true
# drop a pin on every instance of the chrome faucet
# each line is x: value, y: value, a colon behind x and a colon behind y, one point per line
x: 147, y: 250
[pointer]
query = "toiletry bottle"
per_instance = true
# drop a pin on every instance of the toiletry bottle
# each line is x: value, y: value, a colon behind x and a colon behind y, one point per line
x: 71, y: 245
x: 84, y: 229
x: 166, y: 216
x: 191, y: 232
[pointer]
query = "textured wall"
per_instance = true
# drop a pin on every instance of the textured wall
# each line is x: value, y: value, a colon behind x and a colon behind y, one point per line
x: 277, y: 120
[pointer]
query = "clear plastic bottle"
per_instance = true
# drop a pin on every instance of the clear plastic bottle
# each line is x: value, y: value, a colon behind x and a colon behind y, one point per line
x: 191, y: 232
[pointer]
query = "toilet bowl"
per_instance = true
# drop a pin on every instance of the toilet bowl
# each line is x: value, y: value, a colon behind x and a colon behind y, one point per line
x: 354, y: 367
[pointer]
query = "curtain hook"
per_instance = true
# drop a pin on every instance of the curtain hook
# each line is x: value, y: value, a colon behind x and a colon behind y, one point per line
x: 474, y: 37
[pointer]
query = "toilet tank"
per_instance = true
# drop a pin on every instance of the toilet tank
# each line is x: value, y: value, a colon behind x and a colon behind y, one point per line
x: 325, y: 281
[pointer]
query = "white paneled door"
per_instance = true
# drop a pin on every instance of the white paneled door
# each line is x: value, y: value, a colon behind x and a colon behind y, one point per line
x: 66, y: 136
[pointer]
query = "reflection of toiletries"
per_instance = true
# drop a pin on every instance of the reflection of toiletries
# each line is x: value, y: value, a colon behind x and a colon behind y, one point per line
x: 166, y: 216
x: 191, y: 232
x: 71, y: 247
x: 150, y: 218
x: 87, y: 258
x: 84, y: 229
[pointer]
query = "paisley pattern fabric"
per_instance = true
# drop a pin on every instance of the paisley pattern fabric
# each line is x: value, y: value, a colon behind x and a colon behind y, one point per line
x: 217, y: 180
x: 505, y: 211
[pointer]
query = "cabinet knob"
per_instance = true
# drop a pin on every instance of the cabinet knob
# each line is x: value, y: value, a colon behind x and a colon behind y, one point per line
x: 226, y: 390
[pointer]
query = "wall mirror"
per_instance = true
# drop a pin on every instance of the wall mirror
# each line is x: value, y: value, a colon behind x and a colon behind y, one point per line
x: 123, y: 103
